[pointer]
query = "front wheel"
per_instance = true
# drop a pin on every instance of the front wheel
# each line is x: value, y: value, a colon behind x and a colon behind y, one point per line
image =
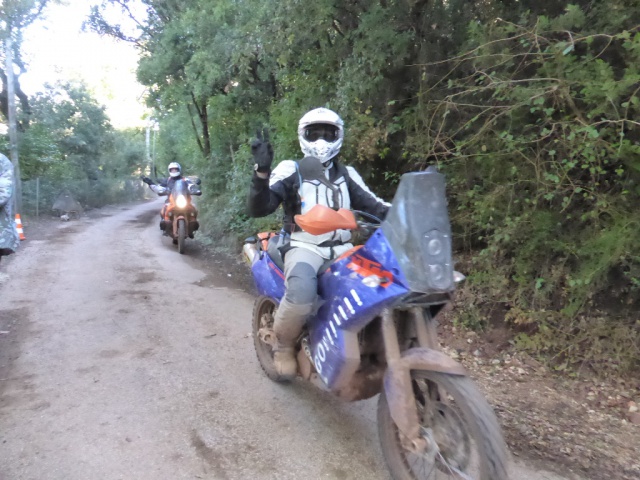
x: 465, y: 438
x: 182, y: 235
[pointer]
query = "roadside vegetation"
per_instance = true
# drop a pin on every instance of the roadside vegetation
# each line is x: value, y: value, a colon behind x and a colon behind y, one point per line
x: 67, y: 145
x: 66, y: 141
x: 531, y: 109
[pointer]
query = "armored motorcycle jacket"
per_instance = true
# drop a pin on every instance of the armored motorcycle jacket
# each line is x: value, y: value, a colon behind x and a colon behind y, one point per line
x: 164, y: 186
x: 9, y: 239
x: 297, y: 196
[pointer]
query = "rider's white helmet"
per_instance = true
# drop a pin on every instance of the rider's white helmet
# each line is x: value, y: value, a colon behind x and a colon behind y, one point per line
x: 175, y: 170
x: 320, y: 132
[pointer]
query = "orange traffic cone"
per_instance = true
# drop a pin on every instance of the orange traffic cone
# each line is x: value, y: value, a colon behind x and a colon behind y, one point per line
x: 19, y: 227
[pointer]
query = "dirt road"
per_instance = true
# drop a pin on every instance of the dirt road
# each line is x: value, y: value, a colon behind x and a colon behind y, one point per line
x: 121, y: 359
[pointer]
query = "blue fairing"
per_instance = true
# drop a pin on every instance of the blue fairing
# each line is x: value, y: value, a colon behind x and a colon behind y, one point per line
x: 268, y: 278
x: 349, y: 305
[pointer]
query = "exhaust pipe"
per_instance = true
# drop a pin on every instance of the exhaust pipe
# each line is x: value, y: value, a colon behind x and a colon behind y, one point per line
x: 249, y: 252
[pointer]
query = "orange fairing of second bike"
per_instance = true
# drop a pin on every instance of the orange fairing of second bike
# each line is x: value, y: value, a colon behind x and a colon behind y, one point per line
x: 171, y: 206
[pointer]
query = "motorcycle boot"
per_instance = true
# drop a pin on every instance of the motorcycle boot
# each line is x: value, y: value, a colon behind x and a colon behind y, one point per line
x: 287, y: 326
x: 300, y: 269
x: 194, y: 225
x: 285, y: 362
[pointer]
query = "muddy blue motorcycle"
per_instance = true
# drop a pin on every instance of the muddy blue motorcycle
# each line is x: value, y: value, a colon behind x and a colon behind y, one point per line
x: 375, y: 333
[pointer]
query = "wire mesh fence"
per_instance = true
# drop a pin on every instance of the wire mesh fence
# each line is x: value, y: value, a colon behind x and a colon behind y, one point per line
x: 47, y: 196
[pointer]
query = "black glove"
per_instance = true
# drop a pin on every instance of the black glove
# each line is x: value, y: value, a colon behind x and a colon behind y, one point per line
x: 262, y: 152
x: 146, y: 180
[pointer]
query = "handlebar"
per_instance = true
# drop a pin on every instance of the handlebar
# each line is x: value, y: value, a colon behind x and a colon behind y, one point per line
x: 376, y: 222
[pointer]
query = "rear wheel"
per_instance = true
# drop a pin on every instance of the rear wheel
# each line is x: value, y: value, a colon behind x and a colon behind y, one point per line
x: 457, y: 421
x: 182, y: 235
x: 264, y: 311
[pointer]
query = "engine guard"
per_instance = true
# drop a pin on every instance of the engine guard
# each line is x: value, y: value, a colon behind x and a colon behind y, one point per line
x: 399, y: 391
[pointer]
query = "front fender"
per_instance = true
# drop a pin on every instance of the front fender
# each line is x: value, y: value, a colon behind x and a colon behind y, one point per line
x: 398, y: 388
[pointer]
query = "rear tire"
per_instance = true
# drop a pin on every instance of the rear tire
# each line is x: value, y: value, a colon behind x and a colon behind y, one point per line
x: 462, y: 424
x: 264, y: 310
x: 182, y: 235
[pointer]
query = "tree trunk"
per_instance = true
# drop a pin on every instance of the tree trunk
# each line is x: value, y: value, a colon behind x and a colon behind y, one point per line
x: 202, y: 134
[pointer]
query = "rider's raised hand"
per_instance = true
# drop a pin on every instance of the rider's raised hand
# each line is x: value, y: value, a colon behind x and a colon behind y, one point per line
x: 147, y: 180
x: 262, y: 152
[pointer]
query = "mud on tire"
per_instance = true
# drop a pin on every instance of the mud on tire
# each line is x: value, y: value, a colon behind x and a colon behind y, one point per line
x: 264, y: 310
x: 463, y: 425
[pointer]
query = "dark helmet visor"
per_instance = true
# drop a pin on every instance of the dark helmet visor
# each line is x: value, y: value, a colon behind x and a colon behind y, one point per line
x: 327, y: 132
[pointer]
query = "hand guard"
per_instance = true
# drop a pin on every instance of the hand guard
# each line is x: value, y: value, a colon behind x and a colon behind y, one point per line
x: 194, y: 190
x: 262, y: 152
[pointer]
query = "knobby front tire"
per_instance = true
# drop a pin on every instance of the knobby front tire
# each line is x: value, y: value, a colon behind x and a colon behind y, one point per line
x: 182, y: 235
x: 462, y: 424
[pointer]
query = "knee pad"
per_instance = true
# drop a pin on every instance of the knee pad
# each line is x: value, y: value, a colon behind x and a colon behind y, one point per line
x: 302, y: 285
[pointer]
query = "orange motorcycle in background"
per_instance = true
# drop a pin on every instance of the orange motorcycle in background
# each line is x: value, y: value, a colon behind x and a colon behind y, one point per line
x: 179, y: 214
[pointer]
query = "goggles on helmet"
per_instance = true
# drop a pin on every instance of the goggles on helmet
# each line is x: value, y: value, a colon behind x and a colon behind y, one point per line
x: 174, y: 169
x: 323, y: 131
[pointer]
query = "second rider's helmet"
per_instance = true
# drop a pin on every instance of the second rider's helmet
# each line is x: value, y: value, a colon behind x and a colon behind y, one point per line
x: 175, y: 170
x: 320, y: 132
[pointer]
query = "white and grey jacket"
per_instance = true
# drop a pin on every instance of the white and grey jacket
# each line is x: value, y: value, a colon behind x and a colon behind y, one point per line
x: 298, y: 196
x: 9, y: 239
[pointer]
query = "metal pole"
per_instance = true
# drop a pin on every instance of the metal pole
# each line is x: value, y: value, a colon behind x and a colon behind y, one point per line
x: 153, y: 150
x: 38, y: 197
x: 13, y: 133
x: 148, y: 145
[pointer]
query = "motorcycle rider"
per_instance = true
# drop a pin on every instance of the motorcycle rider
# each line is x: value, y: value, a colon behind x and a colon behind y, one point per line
x: 165, y: 186
x: 321, y: 133
x: 9, y: 238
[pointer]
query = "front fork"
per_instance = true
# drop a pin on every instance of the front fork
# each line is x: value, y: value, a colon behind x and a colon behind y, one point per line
x: 397, y: 381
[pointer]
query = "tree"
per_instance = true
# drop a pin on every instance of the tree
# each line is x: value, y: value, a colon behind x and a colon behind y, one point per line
x: 68, y: 115
x: 70, y: 145
x: 15, y: 16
